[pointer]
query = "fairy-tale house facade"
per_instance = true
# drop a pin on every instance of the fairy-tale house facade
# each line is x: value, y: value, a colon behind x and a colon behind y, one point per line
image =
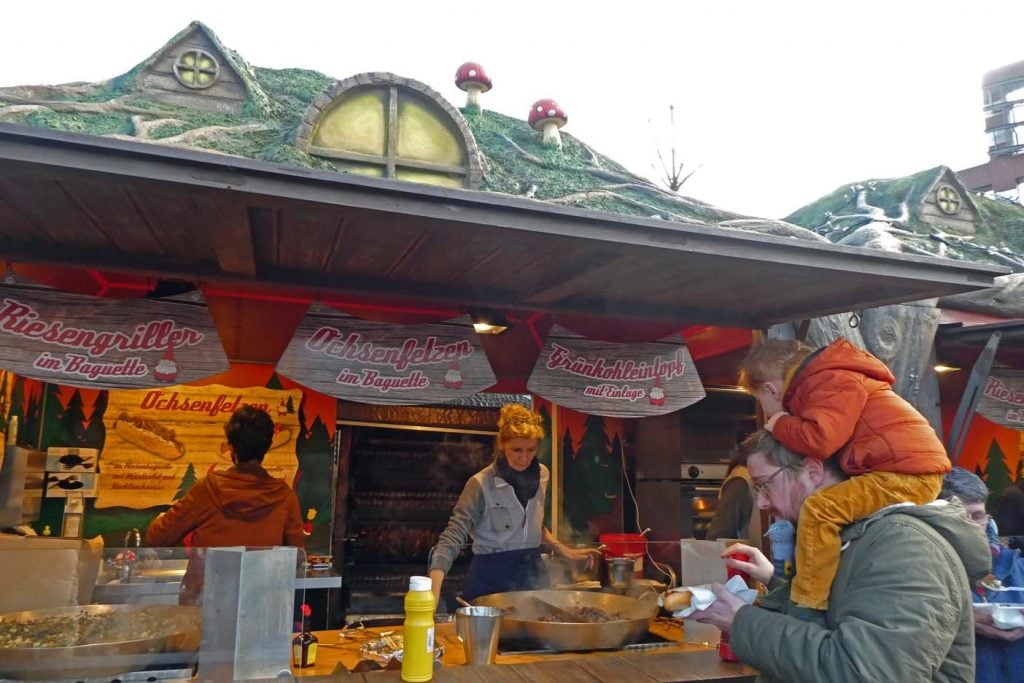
x: 195, y: 94
x: 194, y: 70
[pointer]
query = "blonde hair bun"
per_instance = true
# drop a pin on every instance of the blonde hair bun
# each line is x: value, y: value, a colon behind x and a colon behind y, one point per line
x: 516, y: 421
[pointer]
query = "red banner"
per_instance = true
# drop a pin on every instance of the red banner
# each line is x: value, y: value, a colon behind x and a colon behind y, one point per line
x: 1002, y: 398
x: 98, y: 343
x: 615, y: 379
x: 384, y: 363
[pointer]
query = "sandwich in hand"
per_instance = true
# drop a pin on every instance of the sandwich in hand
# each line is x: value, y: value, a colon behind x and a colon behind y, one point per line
x: 678, y: 600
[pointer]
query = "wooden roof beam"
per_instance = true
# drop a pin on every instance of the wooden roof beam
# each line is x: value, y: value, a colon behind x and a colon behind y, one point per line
x: 231, y: 236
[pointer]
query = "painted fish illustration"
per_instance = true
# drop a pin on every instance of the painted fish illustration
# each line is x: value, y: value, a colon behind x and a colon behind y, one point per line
x: 74, y: 460
x: 69, y: 483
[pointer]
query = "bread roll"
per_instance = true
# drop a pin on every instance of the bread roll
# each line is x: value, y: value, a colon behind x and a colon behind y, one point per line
x: 678, y: 600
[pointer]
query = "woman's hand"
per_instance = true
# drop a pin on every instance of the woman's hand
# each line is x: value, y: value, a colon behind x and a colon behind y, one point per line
x: 436, y: 579
x: 759, y: 568
x: 580, y: 556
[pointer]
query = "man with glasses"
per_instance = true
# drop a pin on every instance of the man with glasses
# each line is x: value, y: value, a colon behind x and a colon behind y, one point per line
x: 900, y: 608
x: 1000, y: 652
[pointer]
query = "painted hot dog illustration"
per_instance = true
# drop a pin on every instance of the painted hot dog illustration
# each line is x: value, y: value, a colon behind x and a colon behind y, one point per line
x: 150, y: 436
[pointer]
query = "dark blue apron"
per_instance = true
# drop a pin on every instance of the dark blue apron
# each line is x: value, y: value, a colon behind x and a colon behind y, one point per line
x: 512, y: 570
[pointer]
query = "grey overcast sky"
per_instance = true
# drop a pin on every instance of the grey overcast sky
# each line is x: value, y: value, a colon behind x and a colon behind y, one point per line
x: 779, y: 102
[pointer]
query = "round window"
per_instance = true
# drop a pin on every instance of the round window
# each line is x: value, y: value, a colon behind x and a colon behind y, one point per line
x: 196, y: 69
x: 948, y: 200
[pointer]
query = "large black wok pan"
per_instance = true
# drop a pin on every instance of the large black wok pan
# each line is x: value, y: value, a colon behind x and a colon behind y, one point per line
x: 523, y: 609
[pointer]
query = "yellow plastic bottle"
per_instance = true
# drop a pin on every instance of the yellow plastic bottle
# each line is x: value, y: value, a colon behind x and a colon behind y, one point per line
x: 418, y: 638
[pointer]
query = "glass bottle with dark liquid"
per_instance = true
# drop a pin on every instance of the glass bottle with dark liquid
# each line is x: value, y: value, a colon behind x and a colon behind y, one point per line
x: 304, y: 644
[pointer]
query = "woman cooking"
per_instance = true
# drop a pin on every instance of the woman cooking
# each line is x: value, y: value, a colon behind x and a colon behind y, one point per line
x: 502, y: 508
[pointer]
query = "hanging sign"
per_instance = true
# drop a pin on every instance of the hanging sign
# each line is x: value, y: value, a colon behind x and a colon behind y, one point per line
x: 615, y: 379
x: 98, y: 343
x: 1002, y: 398
x: 384, y: 363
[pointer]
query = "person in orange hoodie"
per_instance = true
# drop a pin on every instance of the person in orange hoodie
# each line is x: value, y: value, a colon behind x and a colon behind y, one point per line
x: 241, y: 506
x: 838, y: 401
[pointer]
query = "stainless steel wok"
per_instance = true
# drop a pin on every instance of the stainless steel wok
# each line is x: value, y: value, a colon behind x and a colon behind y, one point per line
x: 134, y: 637
x: 522, y: 612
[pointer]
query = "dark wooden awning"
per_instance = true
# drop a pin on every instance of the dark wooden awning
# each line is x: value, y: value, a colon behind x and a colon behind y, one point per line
x: 963, y: 343
x: 142, y: 208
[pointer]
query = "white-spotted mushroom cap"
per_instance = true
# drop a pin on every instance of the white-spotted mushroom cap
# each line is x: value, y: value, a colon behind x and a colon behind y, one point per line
x: 544, y: 111
x: 472, y: 73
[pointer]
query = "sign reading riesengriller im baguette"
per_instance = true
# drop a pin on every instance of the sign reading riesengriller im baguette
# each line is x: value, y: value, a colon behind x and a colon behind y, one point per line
x: 86, y: 341
x: 1002, y: 398
x: 385, y: 363
x: 615, y: 379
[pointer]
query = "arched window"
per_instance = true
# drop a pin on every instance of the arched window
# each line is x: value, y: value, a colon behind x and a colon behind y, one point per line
x: 390, y: 127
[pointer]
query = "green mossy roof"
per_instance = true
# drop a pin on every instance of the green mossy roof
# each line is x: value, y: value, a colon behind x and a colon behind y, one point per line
x: 999, y: 235
x: 515, y: 161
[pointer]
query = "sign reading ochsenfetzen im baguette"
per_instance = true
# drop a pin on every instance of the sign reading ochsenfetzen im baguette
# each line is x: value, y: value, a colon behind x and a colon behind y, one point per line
x: 105, y: 343
x: 615, y: 379
x: 385, y: 363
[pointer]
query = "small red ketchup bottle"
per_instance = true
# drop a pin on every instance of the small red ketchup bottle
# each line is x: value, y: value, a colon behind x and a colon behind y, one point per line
x: 724, y: 649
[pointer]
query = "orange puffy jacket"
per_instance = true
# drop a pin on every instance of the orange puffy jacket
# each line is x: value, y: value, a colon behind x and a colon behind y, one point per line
x: 841, y: 402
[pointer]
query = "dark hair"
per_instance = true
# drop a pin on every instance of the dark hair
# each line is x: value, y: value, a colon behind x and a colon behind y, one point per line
x: 965, y: 485
x: 250, y: 432
x: 764, y: 443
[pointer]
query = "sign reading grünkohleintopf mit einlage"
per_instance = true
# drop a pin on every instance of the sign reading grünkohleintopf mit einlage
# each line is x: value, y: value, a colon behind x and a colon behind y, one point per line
x: 1002, y: 398
x: 385, y: 363
x: 615, y: 379
x: 97, y: 343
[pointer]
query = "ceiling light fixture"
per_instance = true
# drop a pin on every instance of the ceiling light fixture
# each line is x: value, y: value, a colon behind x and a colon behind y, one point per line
x: 486, y: 321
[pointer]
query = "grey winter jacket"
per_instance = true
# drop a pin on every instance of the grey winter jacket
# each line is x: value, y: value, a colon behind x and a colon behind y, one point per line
x: 900, y: 607
x: 489, y: 511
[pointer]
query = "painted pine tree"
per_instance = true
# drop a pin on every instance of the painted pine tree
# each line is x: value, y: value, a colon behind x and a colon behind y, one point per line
x: 602, y: 484
x: 187, y: 480
x: 53, y: 426
x: 574, y: 509
x: 314, y: 451
x: 997, y: 474
x: 30, y: 426
x: 74, y: 420
x: 96, y: 432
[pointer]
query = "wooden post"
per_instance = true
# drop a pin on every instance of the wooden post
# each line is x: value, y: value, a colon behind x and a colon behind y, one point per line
x: 969, y: 401
x: 903, y: 337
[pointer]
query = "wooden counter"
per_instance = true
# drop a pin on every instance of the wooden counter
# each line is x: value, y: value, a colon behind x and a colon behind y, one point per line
x: 669, y: 664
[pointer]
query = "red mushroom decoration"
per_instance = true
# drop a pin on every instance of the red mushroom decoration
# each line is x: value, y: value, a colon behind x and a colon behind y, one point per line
x: 547, y: 116
x: 472, y: 78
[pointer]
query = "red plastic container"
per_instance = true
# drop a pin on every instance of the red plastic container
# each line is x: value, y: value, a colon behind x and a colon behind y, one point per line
x: 626, y: 545
x: 724, y: 648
